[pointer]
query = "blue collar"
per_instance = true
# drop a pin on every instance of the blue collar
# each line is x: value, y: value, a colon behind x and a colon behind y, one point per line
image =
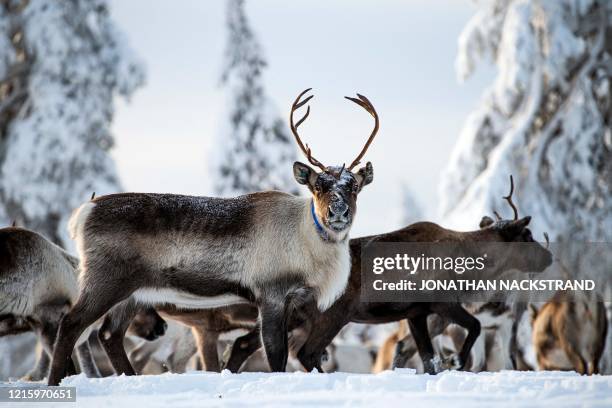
x: 317, y: 224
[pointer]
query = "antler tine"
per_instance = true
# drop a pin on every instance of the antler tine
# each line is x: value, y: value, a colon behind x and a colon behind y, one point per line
x: 367, y: 105
x: 499, y: 218
x: 509, y: 198
x: 305, y: 149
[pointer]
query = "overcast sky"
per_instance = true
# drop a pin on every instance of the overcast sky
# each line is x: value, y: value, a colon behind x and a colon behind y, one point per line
x: 398, y: 53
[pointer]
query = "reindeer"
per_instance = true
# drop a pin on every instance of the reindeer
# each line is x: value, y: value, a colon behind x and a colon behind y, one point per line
x: 38, y: 283
x: 569, y: 333
x: 202, y: 252
x: 349, y: 308
x: 495, y: 317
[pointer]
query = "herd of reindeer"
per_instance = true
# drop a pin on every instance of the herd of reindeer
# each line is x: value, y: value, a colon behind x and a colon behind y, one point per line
x: 277, y: 270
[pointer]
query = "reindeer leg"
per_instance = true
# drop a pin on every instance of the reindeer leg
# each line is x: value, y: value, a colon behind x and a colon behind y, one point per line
x: 274, y: 334
x: 242, y: 349
x: 45, y: 326
x: 418, y: 328
x: 86, y: 361
x: 48, y: 335
x: 458, y: 315
x: 601, y: 341
x: 93, y: 302
x: 312, y: 351
x: 592, y: 367
x: 321, y: 335
x: 112, y: 333
x: 41, y: 368
x: 206, y: 341
x: 575, y: 357
x: 183, y: 350
x: 518, y: 363
x: 141, y: 354
x: 404, y: 350
x: 406, y: 347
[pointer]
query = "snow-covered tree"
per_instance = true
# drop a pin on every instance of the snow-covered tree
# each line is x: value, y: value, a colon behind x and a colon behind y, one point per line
x: 411, y: 209
x: 254, y: 150
x: 546, y: 119
x: 61, y: 64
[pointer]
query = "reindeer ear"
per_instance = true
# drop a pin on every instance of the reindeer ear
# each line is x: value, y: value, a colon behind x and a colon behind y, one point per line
x: 486, y: 221
x: 365, y: 175
x: 515, y: 228
x: 304, y: 174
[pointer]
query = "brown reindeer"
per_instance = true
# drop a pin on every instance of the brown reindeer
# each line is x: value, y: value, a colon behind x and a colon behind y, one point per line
x: 201, y: 252
x: 38, y: 284
x: 494, y: 316
x: 350, y: 308
x: 569, y: 333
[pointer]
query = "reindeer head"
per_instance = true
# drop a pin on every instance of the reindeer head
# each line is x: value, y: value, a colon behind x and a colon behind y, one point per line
x: 335, y: 188
x: 516, y: 230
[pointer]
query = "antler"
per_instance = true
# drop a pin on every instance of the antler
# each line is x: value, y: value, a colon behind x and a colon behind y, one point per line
x: 367, y: 105
x: 547, y: 239
x: 296, y: 105
x: 509, y: 198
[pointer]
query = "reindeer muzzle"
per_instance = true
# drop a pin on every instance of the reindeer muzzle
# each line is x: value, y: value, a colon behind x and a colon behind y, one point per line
x: 338, y: 213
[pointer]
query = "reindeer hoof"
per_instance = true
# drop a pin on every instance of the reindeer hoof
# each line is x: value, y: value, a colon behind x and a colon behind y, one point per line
x: 452, y: 363
x: 433, y: 366
x: 226, y: 356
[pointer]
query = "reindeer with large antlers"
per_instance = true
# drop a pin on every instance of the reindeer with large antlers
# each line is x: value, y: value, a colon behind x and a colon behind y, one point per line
x: 332, y: 187
x: 268, y: 248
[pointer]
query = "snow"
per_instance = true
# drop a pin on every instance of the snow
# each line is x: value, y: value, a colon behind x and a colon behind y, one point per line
x: 401, y: 387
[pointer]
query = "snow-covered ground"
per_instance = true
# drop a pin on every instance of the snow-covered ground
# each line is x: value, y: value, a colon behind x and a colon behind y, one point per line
x: 400, y: 388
